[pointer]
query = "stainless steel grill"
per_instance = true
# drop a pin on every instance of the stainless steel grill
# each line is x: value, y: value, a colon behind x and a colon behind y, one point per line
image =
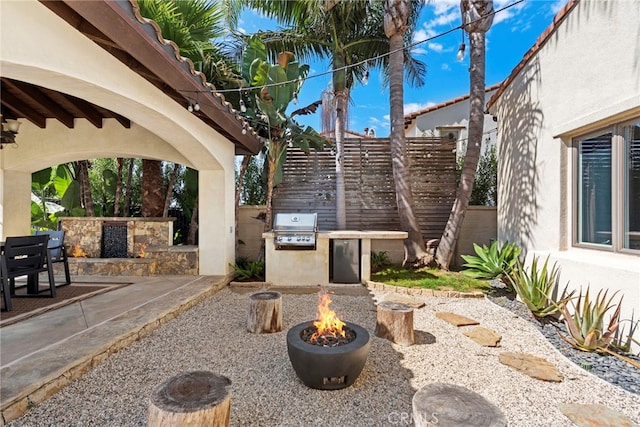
x: 295, y: 230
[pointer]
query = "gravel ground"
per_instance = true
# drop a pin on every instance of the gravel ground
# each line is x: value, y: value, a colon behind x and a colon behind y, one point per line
x: 605, y: 366
x: 266, y: 392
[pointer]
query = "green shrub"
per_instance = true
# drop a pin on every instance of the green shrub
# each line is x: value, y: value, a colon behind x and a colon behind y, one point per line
x: 249, y: 270
x: 537, y: 288
x: 379, y: 260
x: 586, y: 324
x: 491, y: 262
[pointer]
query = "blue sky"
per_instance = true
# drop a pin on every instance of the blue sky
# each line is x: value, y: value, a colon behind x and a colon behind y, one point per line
x: 513, y: 32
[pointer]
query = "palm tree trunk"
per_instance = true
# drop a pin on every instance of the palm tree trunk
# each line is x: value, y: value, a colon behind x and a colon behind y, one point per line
x: 152, y: 188
x: 446, y: 247
x: 193, y: 227
x: 85, y: 185
x: 127, y: 193
x: 395, y: 26
x: 341, y: 198
x: 172, y: 180
x: 118, y: 195
x: 341, y: 94
x: 272, y: 158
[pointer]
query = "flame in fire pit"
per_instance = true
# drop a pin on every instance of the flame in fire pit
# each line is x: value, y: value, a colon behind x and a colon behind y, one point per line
x: 328, y: 324
x: 78, y: 252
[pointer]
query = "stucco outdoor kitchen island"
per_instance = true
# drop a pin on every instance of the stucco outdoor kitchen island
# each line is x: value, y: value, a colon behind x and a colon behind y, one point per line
x: 312, y: 266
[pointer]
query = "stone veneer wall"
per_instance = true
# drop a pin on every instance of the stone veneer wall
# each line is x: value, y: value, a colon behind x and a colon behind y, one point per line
x: 174, y: 260
x: 161, y: 257
x: 87, y: 233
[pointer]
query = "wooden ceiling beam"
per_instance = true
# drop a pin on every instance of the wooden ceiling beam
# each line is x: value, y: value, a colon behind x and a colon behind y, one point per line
x: 126, y: 123
x: 87, y: 111
x: 23, y: 110
x: 30, y: 92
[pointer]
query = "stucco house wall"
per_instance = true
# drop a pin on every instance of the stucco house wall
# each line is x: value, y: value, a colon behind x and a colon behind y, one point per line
x: 453, y: 115
x: 581, y: 76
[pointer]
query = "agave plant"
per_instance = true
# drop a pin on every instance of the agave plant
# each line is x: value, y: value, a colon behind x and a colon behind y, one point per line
x: 537, y: 288
x: 586, y: 324
x: 491, y: 262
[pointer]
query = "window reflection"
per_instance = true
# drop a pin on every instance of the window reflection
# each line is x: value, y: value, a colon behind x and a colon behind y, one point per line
x: 595, y: 190
x: 632, y: 186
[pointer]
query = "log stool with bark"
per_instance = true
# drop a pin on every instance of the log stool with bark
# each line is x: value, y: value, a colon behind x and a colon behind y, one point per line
x: 265, y: 312
x: 394, y: 321
x: 197, y: 398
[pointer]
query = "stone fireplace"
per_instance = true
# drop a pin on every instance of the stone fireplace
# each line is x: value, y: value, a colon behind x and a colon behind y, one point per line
x: 117, y: 234
x: 114, y: 245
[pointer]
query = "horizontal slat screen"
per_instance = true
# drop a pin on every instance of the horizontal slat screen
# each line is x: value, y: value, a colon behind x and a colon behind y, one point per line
x: 309, y: 184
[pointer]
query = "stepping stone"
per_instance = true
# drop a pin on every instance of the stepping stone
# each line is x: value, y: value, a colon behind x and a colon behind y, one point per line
x: 594, y: 416
x: 413, y: 303
x: 485, y: 337
x: 456, y: 319
x: 449, y: 405
x: 535, y: 367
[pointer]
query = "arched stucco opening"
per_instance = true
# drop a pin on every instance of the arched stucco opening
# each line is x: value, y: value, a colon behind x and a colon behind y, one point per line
x: 40, y: 48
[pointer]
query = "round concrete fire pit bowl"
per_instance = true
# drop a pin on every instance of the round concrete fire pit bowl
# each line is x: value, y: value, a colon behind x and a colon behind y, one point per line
x: 327, y: 368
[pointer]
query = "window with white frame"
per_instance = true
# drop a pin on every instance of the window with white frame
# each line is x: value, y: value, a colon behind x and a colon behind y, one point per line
x: 451, y: 132
x: 608, y: 188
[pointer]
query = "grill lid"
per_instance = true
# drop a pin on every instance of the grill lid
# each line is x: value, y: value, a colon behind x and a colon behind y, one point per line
x: 295, y: 222
x: 295, y: 230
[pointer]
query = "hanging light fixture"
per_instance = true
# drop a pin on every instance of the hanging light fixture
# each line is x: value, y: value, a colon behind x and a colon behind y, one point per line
x: 461, y: 49
x: 10, y: 129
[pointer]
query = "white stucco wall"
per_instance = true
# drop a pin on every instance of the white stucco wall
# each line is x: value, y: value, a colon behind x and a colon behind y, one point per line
x: 40, y: 48
x: 453, y: 115
x: 583, y: 78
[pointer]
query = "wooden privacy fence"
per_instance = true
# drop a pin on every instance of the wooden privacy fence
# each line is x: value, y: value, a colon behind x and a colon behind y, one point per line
x: 309, y: 184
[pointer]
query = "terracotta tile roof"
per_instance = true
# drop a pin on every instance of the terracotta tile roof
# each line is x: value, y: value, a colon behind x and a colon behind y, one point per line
x: 206, y: 86
x: 411, y: 117
x: 118, y: 28
x: 542, y: 39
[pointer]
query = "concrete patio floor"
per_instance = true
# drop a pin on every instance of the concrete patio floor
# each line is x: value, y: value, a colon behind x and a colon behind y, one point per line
x: 41, y: 354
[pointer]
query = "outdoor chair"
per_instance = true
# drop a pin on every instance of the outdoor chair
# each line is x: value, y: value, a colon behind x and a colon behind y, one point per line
x: 58, y: 251
x: 25, y: 256
x: 4, y: 286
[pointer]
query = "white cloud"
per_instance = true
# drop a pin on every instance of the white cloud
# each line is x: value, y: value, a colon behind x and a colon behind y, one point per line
x: 412, y: 107
x: 445, y: 66
x: 376, y: 123
x: 436, y: 47
x: 419, y: 51
x: 444, y: 6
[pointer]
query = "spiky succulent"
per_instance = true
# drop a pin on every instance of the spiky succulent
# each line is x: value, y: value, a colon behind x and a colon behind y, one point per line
x: 586, y: 323
x: 537, y: 287
x: 491, y: 262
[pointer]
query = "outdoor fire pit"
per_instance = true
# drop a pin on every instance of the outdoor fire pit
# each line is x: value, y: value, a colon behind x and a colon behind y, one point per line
x: 327, y: 354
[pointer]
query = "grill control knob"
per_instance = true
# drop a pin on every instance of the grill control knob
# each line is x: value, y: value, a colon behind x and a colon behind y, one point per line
x: 289, y: 239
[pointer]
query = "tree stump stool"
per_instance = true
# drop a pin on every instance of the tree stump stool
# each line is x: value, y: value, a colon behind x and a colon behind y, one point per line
x: 394, y: 321
x: 265, y: 312
x: 450, y: 405
x: 197, y: 398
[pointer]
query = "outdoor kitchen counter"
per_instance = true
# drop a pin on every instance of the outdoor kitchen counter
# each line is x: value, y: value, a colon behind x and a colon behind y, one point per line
x: 311, y: 267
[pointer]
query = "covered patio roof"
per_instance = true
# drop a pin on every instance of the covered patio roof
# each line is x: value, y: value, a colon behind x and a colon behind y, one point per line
x: 118, y: 28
